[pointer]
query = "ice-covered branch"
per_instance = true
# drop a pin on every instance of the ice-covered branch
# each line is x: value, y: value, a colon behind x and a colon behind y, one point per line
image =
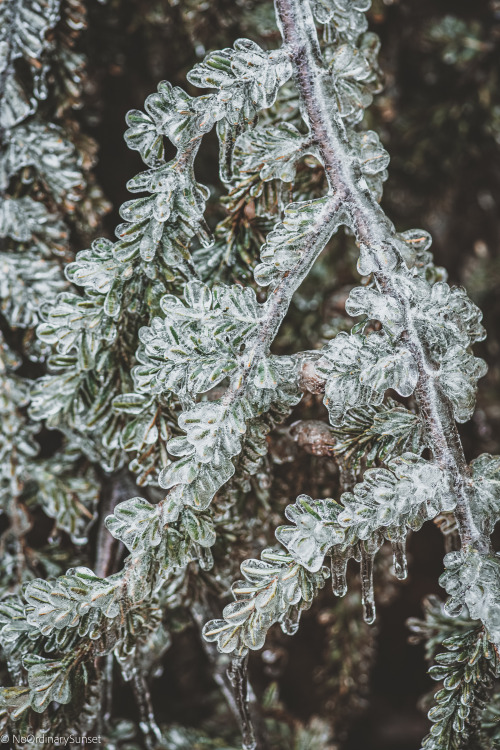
x: 378, y: 248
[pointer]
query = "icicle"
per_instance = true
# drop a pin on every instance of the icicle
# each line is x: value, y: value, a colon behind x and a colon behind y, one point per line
x: 367, y: 586
x: 228, y: 133
x: 237, y: 674
x: 399, y: 561
x: 147, y: 723
x: 205, y: 557
x: 339, y: 574
x: 203, y: 232
x: 107, y: 689
x: 290, y: 622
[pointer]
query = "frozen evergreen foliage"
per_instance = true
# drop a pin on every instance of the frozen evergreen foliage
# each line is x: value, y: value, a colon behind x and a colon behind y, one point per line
x: 45, y: 181
x: 161, y: 366
x: 468, y: 667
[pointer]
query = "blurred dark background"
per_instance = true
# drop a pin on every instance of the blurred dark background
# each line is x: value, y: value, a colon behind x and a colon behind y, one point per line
x: 439, y: 118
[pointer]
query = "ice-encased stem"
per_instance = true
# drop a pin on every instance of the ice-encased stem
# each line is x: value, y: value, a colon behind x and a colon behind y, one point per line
x: 279, y: 299
x: 319, y: 109
x: 237, y: 673
x: 147, y: 722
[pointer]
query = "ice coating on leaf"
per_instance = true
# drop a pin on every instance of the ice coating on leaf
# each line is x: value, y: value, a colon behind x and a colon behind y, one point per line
x: 315, y: 531
x: 170, y: 112
x: 137, y: 523
x: 359, y: 369
x: 356, y: 78
x: 25, y: 282
x: 288, y: 241
x: 473, y: 580
x: 247, y: 79
x: 486, y: 478
x: 271, y: 152
x: 459, y: 372
x: 346, y: 16
x: 49, y: 154
x: 140, y: 525
x: 373, y: 160
x: 379, y: 258
x: 96, y: 268
x: 49, y: 680
x: 413, y: 247
x: 197, y: 344
x: 410, y: 491
x: 448, y: 315
x: 76, y: 323
x: 174, y: 196
x: 59, y: 604
x: 370, y: 302
x: 213, y: 429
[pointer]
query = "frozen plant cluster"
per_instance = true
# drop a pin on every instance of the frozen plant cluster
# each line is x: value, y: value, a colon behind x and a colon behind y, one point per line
x: 47, y: 196
x: 160, y: 366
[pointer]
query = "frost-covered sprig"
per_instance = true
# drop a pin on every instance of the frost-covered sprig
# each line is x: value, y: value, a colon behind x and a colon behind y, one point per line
x: 44, y: 180
x: 125, y: 281
x: 276, y: 589
x: 43, y: 164
x: 472, y: 580
x: 212, y: 335
x: 372, y: 435
x: 84, y: 328
x: 387, y: 504
x: 424, y: 347
x: 257, y: 379
x: 467, y: 668
x: 439, y: 362
x: 79, y: 617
